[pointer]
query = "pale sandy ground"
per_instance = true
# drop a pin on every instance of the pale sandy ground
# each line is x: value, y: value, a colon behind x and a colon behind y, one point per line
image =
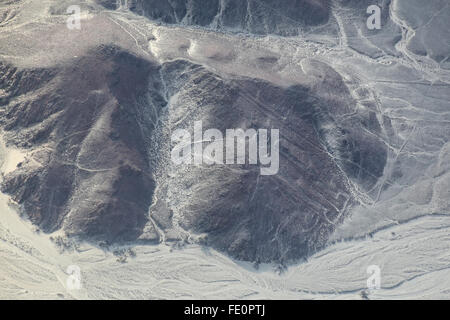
x: 9, y: 159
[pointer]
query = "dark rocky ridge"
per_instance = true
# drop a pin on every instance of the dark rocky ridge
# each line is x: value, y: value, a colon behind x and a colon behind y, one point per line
x: 95, y: 164
x: 269, y: 218
x: 89, y: 123
x: 283, y: 17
